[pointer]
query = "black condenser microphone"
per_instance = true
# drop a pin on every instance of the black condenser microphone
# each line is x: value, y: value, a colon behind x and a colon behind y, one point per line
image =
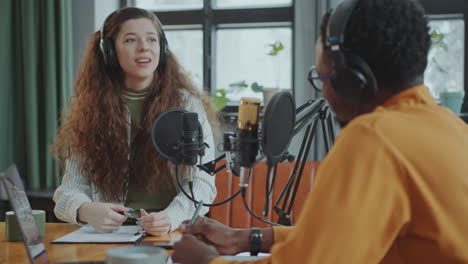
x: 247, y: 135
x: 228, y: 147
x: 192, y: 141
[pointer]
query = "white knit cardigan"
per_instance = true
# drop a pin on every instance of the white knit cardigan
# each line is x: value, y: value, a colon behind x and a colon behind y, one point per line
x: 76, y: 189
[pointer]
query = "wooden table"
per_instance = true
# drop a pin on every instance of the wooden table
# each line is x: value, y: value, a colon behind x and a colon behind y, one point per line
x: 15, y: 252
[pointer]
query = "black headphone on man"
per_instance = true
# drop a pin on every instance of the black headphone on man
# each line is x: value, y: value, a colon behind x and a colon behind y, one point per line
x: 353, y: 78
x: 109, y: 54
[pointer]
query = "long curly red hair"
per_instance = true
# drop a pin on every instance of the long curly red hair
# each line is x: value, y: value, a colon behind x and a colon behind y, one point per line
x: 94, y: 133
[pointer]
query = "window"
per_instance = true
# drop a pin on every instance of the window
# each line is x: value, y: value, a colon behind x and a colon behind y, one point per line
x: 221, y: 43
x: 445, y: 71
x: 448, y: 18
x: 242, y: 58
x: 164, y: 5
x: 250, y: 3
x: 188, y: 47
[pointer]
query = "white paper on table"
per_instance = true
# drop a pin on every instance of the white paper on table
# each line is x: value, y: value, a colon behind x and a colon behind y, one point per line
x: 87, y: 234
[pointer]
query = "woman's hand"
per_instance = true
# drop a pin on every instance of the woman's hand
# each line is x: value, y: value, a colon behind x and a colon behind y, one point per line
x: 156, y: 224
x: 190, y: 250
x: 227, y: 241
x: 104, y: 217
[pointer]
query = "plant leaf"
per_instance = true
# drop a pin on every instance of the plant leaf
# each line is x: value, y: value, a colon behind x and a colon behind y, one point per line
x: 219, y: 99
x: 275, y: 48
x: 242, y: 84
x: 438, y: 40
x: 256, y: 87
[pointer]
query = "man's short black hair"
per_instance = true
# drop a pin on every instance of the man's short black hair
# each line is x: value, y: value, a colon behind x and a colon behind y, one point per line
x: 392, y: 36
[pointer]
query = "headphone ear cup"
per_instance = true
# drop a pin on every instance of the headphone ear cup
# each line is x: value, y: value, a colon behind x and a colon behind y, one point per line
x: 355, y: 81
x: 113, y: 59
x: 364, y: 72
x: 163, y: 51
x: 348, y: 83
x: 108, y: 53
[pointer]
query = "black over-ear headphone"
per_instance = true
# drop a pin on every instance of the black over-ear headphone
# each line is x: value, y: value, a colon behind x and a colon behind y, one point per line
x: 353, y: 79
x: 107, y: 47
x: 108, y: 50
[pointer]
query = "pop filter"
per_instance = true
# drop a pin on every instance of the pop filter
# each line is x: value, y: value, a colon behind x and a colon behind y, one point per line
x: 167, y: 133
x: 278, y: 127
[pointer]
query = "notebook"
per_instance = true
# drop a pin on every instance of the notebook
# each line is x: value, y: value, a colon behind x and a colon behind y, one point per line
x: 87, y: 235
x: 20, y: 204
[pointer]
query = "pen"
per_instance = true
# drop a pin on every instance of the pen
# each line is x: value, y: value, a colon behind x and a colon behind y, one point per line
x: 197, y: 211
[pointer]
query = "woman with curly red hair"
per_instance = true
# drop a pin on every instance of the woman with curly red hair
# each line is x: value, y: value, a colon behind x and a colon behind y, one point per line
x: 128, y: 78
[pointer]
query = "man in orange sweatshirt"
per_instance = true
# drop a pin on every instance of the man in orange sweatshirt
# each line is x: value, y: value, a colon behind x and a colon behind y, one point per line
x: 394, y: 187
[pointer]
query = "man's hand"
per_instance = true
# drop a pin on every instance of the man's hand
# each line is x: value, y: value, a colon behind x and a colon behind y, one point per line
x: 104, y: 217
x: 156, y: 224
x: 191, y: 250
x: 228, y: 241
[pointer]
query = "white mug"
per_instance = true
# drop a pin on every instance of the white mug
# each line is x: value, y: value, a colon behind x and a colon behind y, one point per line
x: 136, y: 255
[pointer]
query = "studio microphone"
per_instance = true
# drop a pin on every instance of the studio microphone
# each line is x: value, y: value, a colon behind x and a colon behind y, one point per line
x: 247, y: 136
x: 192, y: 145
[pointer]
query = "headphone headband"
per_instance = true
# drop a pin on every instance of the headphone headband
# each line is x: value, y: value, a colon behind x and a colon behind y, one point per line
x: 105, y: 22
x: 353, y: 79
x: 338, y: 21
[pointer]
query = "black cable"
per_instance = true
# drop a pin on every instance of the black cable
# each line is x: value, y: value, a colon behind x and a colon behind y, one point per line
x: 269, y: 188
x: 273, y: 181
x: 196, y: 202
x: 190, y: 185
x: 252, y: 213
x: 267, y: 191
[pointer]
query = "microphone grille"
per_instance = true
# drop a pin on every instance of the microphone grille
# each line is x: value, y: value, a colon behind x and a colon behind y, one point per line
x: 190, y: 121
x: 249, y: 109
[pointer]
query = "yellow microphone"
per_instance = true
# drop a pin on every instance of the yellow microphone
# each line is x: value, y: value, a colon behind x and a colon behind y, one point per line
x: 247, y: 135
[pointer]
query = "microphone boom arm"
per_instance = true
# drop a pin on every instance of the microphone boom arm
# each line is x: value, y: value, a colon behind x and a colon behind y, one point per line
x: 210, y: 166
x: 307, y: 115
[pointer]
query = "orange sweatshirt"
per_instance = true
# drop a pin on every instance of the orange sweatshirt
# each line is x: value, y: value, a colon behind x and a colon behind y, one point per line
x: 393, y: 189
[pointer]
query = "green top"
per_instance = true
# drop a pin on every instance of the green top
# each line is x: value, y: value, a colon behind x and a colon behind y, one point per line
x: 137, y: 197
x: 134, y: 100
